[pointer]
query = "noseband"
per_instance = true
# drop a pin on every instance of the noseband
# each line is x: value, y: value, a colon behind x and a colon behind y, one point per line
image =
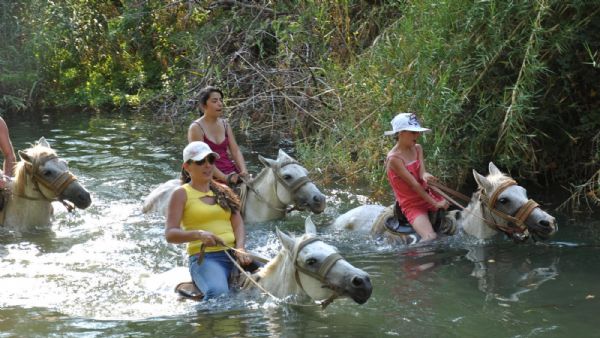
x: 57, y: 186
x: 321, y: 274
x: 520, y: 229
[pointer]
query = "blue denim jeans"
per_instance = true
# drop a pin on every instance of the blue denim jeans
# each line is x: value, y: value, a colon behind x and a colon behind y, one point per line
x: 212, y: 275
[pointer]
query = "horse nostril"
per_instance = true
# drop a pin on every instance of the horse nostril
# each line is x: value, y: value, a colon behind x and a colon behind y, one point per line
x: 317, y: 198
x: 545, y: 224
x: 357, y: 281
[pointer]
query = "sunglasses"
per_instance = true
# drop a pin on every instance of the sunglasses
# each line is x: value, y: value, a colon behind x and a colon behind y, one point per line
x: 209, y: 159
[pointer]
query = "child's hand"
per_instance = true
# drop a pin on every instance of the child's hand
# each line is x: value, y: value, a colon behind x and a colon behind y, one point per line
x: 428, y: 177
x: 443, y: 204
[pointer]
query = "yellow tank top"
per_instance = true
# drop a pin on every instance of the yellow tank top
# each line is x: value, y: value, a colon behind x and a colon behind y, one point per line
x: 198, y: 215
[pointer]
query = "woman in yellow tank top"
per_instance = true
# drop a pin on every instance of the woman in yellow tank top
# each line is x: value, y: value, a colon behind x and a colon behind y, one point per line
x: 206, y: 213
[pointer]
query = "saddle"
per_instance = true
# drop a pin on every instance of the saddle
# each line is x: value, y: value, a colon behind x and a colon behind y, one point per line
x: 396, y: 223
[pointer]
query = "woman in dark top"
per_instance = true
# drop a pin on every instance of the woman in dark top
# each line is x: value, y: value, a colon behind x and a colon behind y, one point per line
x: 212, y: 129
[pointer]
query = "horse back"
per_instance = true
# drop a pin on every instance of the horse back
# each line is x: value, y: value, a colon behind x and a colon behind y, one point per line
x: 158, y: 199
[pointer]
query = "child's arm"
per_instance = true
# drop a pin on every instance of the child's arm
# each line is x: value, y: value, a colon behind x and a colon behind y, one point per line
x: 422, y: 171
x: 399, y: 168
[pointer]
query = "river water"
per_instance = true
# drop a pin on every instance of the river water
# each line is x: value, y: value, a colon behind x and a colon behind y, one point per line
x: 103, y: 272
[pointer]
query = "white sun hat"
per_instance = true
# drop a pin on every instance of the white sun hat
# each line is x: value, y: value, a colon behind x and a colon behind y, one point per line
x: 405, y: 121
x: 197, y: 151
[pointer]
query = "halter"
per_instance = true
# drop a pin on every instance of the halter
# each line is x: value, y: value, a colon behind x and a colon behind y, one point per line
x: 57, y: 186
x: 321, y: 274
x: 518, y: 219
x: 292, y: 187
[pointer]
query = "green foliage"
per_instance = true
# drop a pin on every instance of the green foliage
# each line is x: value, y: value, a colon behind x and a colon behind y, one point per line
x: 509, y: 82
x: 496, y: 81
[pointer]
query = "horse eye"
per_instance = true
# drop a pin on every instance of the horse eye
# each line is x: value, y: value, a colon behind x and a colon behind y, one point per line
x: 47, y: 172
x: 311, y: 261
x: 503, y: 200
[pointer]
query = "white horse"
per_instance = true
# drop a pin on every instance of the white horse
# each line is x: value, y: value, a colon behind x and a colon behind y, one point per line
x: 305, y: 268
x: 41, y: 177
x: 283, y: 182
x: 500, y: 205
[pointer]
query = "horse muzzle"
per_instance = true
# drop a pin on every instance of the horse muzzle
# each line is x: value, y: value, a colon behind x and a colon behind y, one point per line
x: 315, y: 203
x: 544, y: 229
x: 359, y: 289
x: 77, y: 194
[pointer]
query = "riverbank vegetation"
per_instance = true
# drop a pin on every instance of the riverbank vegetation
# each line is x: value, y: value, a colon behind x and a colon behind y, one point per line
x: 513, y: 83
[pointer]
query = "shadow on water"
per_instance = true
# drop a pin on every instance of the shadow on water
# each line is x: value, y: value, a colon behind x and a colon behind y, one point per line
x: 96, y: 272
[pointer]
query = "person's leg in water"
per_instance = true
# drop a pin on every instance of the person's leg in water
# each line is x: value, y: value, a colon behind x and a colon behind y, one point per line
x: 212, y: 275
x: 423, y: 227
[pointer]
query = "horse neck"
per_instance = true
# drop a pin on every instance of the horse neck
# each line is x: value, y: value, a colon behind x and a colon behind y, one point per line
x: 277, y: 276
x: 473, y: 219
x: 263, y: 206
x: 26, y: 210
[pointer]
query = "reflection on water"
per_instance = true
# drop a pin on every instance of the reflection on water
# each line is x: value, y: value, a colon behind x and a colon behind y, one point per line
x: 105, y: 271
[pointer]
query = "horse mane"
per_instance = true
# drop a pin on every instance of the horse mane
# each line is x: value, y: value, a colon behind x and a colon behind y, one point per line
x: 35, y: 152
x: 279, y: 277
x: 496, y: 180
x: 261, y: 174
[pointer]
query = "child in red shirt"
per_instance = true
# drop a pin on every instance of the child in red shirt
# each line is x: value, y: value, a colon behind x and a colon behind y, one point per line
x: 405, y: 166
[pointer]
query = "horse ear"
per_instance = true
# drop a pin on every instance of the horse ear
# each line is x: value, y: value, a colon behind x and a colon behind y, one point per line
x: 23, y: 155
x: 493, y: 169
x: 309, y: 226
x: 482, y: 182
x: 267, y: 162
x: 42, y: 142
x: 287, y: 241
x: 283, y: 155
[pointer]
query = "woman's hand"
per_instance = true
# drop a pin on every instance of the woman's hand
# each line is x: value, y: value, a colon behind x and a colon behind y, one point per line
x: 242, y: 257
x: 233, y: 178
x: 209, y: 239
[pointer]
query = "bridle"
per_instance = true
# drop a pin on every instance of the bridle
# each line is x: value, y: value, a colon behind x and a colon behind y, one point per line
x: 519, y: 231
x: 57, y: 186
x: 321, y: 274
x: 292, y: 187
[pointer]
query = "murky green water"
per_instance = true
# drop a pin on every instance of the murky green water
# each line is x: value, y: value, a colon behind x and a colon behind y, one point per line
x: 101, y: 272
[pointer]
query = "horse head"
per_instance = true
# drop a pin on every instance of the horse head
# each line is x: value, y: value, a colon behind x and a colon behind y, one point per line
x: 321, y: 272
x: 511, y: 210
x: 293, y: 185
x: 41, y: 174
